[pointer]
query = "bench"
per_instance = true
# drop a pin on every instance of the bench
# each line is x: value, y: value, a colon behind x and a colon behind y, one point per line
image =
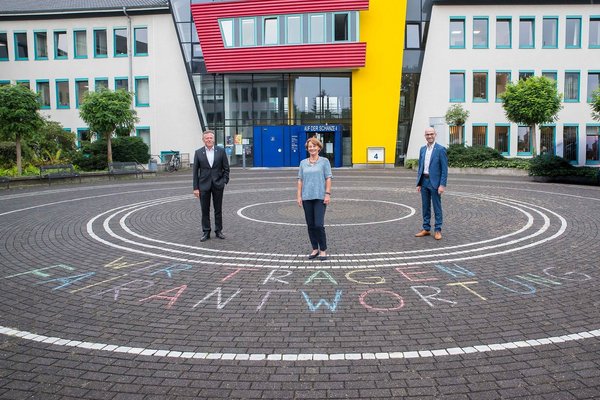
x: 58, y: 171
x: 125, y: 168
x: 5, y: 181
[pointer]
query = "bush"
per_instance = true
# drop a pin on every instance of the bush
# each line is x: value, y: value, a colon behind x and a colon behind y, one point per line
x: 411, y: 163
x: 28, y: 170
x: 551, y: 165
x: 459, y: 155
x: 92, y: 156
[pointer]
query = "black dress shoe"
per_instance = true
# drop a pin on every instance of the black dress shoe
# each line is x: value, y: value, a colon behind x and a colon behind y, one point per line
x: 205, y: 237
x: 313, y: 256
x: 219, y: 235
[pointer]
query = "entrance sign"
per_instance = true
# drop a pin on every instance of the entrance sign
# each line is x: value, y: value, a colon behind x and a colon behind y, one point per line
x: 375, y: 155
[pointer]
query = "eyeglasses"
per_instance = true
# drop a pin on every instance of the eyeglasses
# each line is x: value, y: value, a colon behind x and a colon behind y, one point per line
x: 430, y: 134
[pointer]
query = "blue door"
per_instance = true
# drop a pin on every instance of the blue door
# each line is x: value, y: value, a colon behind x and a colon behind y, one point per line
x: 272, y: 146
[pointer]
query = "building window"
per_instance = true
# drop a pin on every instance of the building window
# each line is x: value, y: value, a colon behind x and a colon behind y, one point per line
x: 62, y: 93
x: 61, y: 50
x: 503, y: 32
x: 413, y: 35
x: 480, y: 33
x: 570, y: 143
x: 270, y: 31
x: 340, y: 27
x: 479, y: 135
x: 550, y: 33
x: 140, y: 40
x: 100, y: 43
x: 502, y: 79
x: 524, y: 75
x: 593, y: 84
x: 81, y: 90
x: 456, y: 134
x: 317, y: 28
x: 571, y: 86
x: 503, y: 139
x: 547, y: 139
x: 526, y: 32
x: 24, y: 83
x: 248, y: 32
x: 80, y: 39
x: 42, y: 88
x: 83, y: 136
x: 480, y: 86
x: 552, y: 75
x: 121, y: 84
x: 592, y: 148
x: 293, y: 29
x: 21, y: 49
x: 40, y: 44
x: 457, y: 33
x: 3, y: 46
x: 142, y: 92
x: 100, y: 84
x: 573, y: 33
x: 594, y: 40
x: 524, y: 140
x: 457, y: 87
x: 227, y: 32
x: 120, y: 42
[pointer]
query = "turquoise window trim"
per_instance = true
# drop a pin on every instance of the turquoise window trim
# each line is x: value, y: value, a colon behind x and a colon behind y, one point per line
x: 120, y: 78
x: 594, y: 18
x: 135, y: 30
x: 137, y: 79
x: 578, y: 33
x: 16, y: 47
x: 487, y: 33
x: 553, y: 126
x: 116, y: 29
x: 75, y: 55
x: 23, y: 82
x: 241, y: 31
x: 56, y: 84
x: 35, y: 45
x: 4, y: 82
x: 487, y: 85
x: 78, y: 136
x: 509, y: 73
x: 462, y: 98
x: 555, y: 18
x: 323, y: 27
x: 578, y: 73
x: 464, y: 24
x: 509, y: 19
x: 100, y: 79
x: 593, y: 72
x: 576, y: 126
x: 504, y: 153
x: 286, y: 24
x: 592, y: 162
x: 141, y: 128
x: 524, y: 153
x: 551, y: 71
x: 55, y: 42
x: 77, y: 94
x: 7, y: 52
x: 96, y: 55
x: 487, y: 136
x: 526, y: 71
x: 37, y: 90
x: 532, y: 20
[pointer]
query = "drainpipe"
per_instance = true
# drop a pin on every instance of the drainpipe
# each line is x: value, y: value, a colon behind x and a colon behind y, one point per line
x: 129, y: 51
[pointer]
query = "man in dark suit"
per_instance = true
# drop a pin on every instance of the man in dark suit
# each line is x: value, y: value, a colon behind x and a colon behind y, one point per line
x: 211, y: 174
x: 432, y: 177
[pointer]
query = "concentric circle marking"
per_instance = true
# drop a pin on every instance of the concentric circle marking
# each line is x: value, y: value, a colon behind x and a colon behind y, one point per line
x: 412, y: 211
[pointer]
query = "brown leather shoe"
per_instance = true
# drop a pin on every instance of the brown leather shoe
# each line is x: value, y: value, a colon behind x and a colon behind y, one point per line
x: 437, y: 235
x: 423, y: 233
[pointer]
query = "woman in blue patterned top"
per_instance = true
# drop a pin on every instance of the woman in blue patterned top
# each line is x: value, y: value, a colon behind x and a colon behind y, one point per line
x: 314, y: 193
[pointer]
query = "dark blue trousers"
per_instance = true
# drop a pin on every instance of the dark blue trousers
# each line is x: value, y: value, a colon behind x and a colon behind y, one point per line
x: 429, y: 196
x: 314, y: 212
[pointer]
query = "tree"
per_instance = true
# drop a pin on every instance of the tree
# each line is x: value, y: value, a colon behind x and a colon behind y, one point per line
x: 19, y: 116
x: 53, y: 145
x: 596, y: 105
x: 532, y: 102
x: 106, y: 111
x: 457, y: 116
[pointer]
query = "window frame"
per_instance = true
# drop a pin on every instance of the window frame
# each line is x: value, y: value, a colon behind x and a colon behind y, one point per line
x: 590, y: 91
x: 36, y: 43
x: 464, y: 89
x: 56, y: 41
x: 5, y: 34
x: 78, y: 95
x: 486, y: 134
x: 578, y: 97
x: 333, y: 27
x: 509, y: 20
x: 553, y: 126
x: 38, y: 82
x: 254, y: 40
x: 57, y: 82
x: 487, y: 78
x: 461, y: 19
x: 504, y: 125
x: 227, y: 28
x: 577, y: 32
x: 121, y: 78
x: 95, y: 32
x: 576, y: 126
x: 487, y: 33
x: 529, y: 72
x: 16, y: 45
x: 137, y: 80
x: 137, y: 53
x: 531, y: 20
x: 264, y: 27
x: 407, y: 35
x: 100, y: 79
x: 530, y: 151
x: 323, y: 25
x: 546, y: 72
x: 556, y: 20
x: 76, y: 54
x: 594, y: 21
x: 597, y: 134
x: 115, y: 30
x: 508, y: 80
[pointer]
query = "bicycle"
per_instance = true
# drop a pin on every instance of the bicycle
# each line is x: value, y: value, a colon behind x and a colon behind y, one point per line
x: 174, y: 163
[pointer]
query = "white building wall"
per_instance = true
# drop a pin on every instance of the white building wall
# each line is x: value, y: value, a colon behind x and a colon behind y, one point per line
x: 439, y: 59
x: 171, y: 115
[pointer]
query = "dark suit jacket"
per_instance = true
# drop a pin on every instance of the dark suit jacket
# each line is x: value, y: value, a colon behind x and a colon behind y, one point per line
x: 207, y: 178
x: 438, y: 166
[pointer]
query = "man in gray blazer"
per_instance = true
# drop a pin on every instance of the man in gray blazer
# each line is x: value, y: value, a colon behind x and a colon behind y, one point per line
x: 211, y: 174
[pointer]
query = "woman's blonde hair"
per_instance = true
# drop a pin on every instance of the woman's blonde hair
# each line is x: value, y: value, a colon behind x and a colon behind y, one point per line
x: 314, y: 141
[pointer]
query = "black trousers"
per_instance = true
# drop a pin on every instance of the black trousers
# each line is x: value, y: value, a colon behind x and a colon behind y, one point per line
x: 314, y: 212
x: 217, y: 197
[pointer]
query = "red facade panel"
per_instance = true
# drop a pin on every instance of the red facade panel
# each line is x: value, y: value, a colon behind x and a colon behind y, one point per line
x: 274, y: 58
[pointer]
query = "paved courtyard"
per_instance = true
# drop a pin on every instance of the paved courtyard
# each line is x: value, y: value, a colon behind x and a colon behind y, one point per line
x: 107, y: 293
